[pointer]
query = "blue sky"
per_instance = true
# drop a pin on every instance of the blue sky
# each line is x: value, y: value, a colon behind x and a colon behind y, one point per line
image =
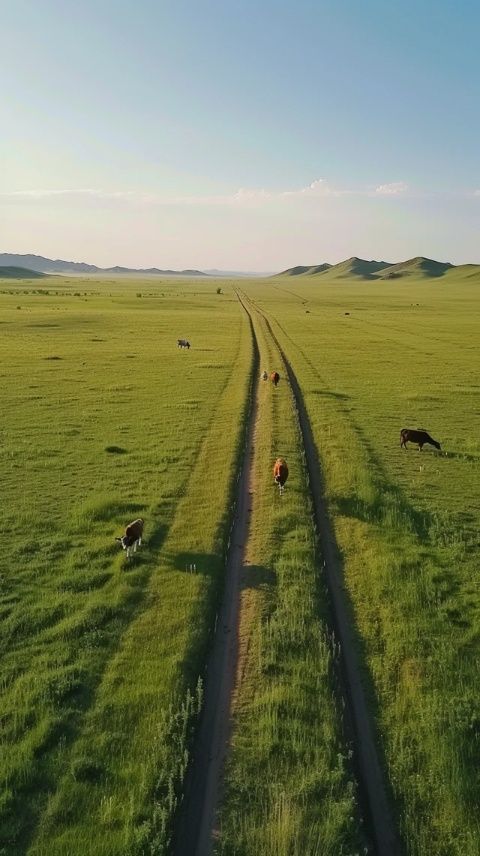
x: 245, y: 135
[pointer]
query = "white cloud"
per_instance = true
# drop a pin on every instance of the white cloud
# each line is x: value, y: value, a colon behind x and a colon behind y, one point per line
x: 319, y: 188
x: 395, y: 188
x: 66, y: 193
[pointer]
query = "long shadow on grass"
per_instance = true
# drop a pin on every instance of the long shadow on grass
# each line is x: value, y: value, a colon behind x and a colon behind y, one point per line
x: 197, y: 563
x: 328, y: 393
x: 362, y: 713
x: 257, y: 576
x: 390, y: 506
x: 101, y: 634
x: 458, y: 456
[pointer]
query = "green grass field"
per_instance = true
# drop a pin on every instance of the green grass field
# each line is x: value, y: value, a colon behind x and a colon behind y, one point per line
x: 406, y: 524
x: 103, y: 420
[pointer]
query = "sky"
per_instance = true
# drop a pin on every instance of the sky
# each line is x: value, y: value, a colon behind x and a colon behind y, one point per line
x: 240, y: 134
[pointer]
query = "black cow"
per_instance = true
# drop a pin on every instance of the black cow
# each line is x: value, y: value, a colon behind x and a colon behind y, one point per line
x: 419, y: 435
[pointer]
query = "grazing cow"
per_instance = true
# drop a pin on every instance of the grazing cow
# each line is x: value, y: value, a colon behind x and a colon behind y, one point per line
x: 275, y: 377
x: 280, y: 473
x: 420, y: 436
x: 183, y: 343
x: 132, y: 537
x: 264, y: 375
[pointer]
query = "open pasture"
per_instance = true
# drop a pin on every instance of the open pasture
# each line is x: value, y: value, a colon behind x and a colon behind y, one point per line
x: 104, y: 420
x: 406, y: 524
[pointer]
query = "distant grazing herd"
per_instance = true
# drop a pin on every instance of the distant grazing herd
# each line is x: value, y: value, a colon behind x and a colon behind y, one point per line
x: 132, y: 538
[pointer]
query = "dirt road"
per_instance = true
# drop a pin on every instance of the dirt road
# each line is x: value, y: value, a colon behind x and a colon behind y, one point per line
x: 197, y: 817
x: 195, y: 830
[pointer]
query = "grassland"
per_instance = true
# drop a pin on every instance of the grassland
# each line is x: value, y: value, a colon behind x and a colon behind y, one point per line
x: 289, y: 787
x: 103, y: 419
x: 406, y: 524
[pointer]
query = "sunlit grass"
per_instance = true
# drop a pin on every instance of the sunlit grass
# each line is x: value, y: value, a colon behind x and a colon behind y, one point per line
x: 406, y: 524
x: 100, y: 659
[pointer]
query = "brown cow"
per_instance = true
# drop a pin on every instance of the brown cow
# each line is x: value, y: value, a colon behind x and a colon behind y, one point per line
x: 132, y: 537
x: 280, y: 473
x: 419, y: 435
x: 275, y: 377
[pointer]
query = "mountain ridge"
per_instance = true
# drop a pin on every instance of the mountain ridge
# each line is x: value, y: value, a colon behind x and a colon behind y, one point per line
x: 354, y: 267
x: 42, y: 264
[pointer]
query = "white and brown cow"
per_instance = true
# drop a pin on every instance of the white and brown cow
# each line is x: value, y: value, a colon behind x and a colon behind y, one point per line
x: 133, y: 536
x: 280, y: 473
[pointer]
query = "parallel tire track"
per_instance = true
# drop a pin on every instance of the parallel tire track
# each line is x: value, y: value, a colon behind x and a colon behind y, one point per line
x: 366, y: 752
x: 197, y: 816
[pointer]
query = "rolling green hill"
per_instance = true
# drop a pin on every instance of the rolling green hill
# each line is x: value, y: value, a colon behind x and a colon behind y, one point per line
x: 355, y: 267
x: 417, y: 268
x: 10, y: 272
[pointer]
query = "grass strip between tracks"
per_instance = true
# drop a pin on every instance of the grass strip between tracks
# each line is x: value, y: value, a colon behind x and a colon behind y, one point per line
x: 289, y: 788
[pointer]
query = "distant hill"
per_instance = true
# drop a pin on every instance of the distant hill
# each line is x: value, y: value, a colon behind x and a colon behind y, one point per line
x: 304, y: 270
x: 320, y: 268
x: 296, y: 271
x: 358, y: 268
x: 350, y: 267
x: 44, y: 265
x: 11, y: 272
x: 418, y: 268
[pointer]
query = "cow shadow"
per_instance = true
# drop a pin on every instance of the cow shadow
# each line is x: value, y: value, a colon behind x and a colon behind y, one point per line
x: 327, y: 393
x: 257, y: 577
x: 457, y: 456
x: 378, y: 511
x: 208, y: 564
x: 390, y: 503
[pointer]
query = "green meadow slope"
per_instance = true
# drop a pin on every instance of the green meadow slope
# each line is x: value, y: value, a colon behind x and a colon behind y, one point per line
x: 417, y: 269
x: 12, y: 272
